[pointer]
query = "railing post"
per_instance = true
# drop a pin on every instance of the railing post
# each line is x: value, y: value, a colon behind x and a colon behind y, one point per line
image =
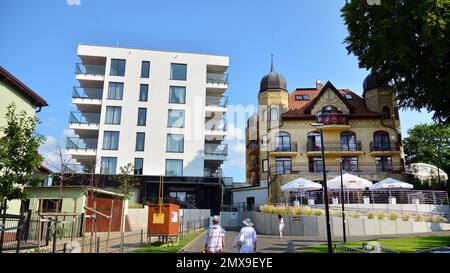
x: 98, y: 244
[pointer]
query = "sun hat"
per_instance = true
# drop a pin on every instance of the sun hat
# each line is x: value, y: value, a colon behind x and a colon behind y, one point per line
x: 216, y: 218
x: 248, y: 222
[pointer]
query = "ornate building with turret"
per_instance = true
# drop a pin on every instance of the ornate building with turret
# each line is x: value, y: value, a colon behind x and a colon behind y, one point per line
x: 284, y: 143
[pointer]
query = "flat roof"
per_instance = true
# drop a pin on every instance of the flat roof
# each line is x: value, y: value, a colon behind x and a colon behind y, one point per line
x: 84, y: 188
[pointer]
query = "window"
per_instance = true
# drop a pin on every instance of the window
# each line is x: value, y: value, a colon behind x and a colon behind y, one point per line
x: 314, y: 141
x: 282, y: 142
x: 142, y: 117
x: 264, y: 115
x: 117, y: 67
x: 386, y: 112
x: 350, y: 164
x: 108, y: 165
x: 140, y: 141
x: 113, y: 115
x: 315, y: 165
x: 138, y: 166
x: 143, y: 92
x: 381, y: 141
x: 265, y: 165
x: 51, y: 205
x: 176, y: 119
x: 175, y: 143
x: 178, y: 195
x: 177, y: 94
x: 274, y: 114
x: 348, y: 141
x: 283, y: 165
x: 383, y: 163
x: 396, y: 113
x: 264, y: 141
x: 145, y: 69
x: 110, y: 140
x: 348, y: 96
x: 174, y: 167
x: 302, y: 97
x: 115, y: 91
x: 178, y: 72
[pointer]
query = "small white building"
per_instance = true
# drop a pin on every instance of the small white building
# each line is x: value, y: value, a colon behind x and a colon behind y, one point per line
x: 249, y: 197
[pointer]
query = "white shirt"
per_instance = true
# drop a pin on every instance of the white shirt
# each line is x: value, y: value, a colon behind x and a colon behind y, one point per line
x: 249, y: 235
x: 214, y: 238
x: 281, y: 224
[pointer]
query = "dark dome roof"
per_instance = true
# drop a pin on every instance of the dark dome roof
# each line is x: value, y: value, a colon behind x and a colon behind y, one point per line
x: 273, y: 80
x: 372, y: 81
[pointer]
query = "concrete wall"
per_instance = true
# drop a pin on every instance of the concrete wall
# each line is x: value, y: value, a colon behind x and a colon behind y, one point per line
x: 400, y: 208
x: 138, y: 218
x: 259, y: 193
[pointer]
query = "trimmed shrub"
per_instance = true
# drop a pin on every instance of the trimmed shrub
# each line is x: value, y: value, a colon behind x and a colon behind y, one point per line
x: 393, y: 216
x: 418, y: 218
x: 356, y: 214
x: 406, y: 217
x: 319, y: 212
x: 381, y: 215
x: 371, y: 215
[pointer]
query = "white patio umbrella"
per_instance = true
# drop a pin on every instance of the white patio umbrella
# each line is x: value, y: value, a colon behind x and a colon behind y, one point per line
x: 390, y: 184
x: 351, y: 182
x: 301, y: 185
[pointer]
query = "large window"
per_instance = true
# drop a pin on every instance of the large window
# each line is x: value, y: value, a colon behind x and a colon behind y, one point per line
x: 111, y: 140
x: 265, y: 165
x: 314, y: 141
x: 282, y: 142
x: 108, y: 165
x: 145, y: 69
x: 264, y: 141
x: 350, y: 164
x: 315, y: 165
x: 117, y: 67
x: 175, y: 143
x: 348, y: 141
x: 176, y: 119
x: 177, y: 94
x: 283, y: 165
x: 140, y: 141
x: 174, y: 167
x: 113, y: 115
x: 384, y: 163
x: 273, y: 114
x: 381, y: 141
x: 143, y: 92
x: 142, y: 117
x: 115, y: 91
x: 386, y: 112
x: 178, y: 195
x: 178, y: 72
x: 138, y: 166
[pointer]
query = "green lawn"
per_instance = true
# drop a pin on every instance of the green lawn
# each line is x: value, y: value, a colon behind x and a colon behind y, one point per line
x: 404, y: 245
x: 170, y: 249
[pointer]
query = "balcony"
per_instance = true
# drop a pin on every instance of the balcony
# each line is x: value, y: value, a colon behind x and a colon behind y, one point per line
x: 94, y: 72
x: 334, y: 121
x: 82, y: 122
x: 217, y: 80
x: 253, y: 147
x: 388, y: 148
x: 283, y: 149
x: 372, y: 168
x: 216, y: 129
x: 335, y: 148
x: 216, y: 152
x: 87, y: 99
x: 81, y: 147
x: 216, y: 103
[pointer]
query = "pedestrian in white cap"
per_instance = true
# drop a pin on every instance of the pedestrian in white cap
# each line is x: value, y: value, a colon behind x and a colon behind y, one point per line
x: 246, y: 238
x: 215, y: 237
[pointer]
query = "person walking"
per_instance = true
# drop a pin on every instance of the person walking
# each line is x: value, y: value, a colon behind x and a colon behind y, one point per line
x: 215, y: 237
x: 280, y: 225
x: 246, y: 239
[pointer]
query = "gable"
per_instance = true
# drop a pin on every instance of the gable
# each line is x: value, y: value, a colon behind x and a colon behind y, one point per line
x: 329, y: 97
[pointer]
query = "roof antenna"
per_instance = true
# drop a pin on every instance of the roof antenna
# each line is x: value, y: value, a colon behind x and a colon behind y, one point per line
x: 272, y: 67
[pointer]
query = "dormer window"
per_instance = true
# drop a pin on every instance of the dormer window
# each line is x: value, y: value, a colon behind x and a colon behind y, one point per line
x: 302, y: 97
x: 348, y: 96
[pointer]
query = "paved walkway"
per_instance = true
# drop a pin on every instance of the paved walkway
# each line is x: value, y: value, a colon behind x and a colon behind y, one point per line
x: 273, y: 244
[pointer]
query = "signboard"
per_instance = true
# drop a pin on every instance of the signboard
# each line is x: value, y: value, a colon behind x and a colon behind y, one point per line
x: 174, y: 217
x: 158, y: 218
x: 296, y: 218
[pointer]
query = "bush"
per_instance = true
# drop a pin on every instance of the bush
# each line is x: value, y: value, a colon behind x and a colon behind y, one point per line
x: 135, y: 206
x: 438, y: 219
x: 371, y: 215
x: 381, y: 215
x: 393, y: 216
x: 406, y: 217
x: 336, y: 213
x: 319, y: 212
x: 418, y: 218
x: 356, y: 214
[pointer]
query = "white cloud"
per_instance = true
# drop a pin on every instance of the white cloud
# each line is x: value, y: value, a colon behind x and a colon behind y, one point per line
x: 50, y: 150
x: 73, y: 2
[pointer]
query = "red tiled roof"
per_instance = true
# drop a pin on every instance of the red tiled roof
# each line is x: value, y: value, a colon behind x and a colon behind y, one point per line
x: 297, y: 108
x: 24, y: 90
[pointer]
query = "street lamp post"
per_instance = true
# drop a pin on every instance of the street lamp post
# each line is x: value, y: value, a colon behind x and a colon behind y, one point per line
x: 325, y: 189
x: 342, y: 202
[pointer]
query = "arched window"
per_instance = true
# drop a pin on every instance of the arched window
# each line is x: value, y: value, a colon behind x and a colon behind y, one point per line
x: 283, y: 141
x: 348, y: 141
x: 329, y: 109
x: 381, y: 141
x: 314, y: 141
x: 386, y: 112
x: 273, y: 114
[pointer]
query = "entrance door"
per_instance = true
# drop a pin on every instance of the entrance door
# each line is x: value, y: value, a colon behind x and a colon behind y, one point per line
x: 250, y: 203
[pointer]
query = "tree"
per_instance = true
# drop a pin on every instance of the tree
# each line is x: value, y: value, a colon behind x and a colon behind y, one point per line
x: 429, y: 144
x: 125, y: 179
x: 406, y: 43
x: 19, y: 158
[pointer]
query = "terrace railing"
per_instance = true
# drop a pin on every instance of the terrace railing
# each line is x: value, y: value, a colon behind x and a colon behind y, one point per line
x: 221, y: 101
x: 87, y: 93
x: 217, y: 78
x: 90, y: 69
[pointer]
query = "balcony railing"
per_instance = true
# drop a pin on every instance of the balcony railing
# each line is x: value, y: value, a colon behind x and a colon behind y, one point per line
x: 90, y: 69
x: 332, y: 119
x: 316, y: 167
x: 335, y: 146
x: 289, y: 147
x: 221, y: 101
x: 76, y: 143
x: 216, y: 151
x: 217, y: 78
x: 216, y: 125
x: 388, y: 146
x: 87, y: 93
x: 84, y: 118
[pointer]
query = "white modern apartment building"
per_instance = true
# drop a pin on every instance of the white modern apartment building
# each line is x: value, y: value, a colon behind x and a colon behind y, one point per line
x: 162, y: 111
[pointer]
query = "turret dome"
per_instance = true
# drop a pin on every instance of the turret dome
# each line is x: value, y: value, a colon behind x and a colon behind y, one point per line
x: 273, y: 80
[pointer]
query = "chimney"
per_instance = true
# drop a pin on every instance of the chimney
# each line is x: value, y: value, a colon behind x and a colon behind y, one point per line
x: 318, y: 85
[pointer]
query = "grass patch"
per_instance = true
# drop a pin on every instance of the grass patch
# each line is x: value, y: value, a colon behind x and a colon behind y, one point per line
x: 404, y: 245
x: 170, y: 249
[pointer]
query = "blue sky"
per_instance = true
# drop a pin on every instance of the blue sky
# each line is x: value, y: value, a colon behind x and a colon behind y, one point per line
x: 39, y: 40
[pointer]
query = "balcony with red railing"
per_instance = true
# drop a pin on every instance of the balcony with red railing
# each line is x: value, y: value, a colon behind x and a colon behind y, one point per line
x: 332, y: 118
